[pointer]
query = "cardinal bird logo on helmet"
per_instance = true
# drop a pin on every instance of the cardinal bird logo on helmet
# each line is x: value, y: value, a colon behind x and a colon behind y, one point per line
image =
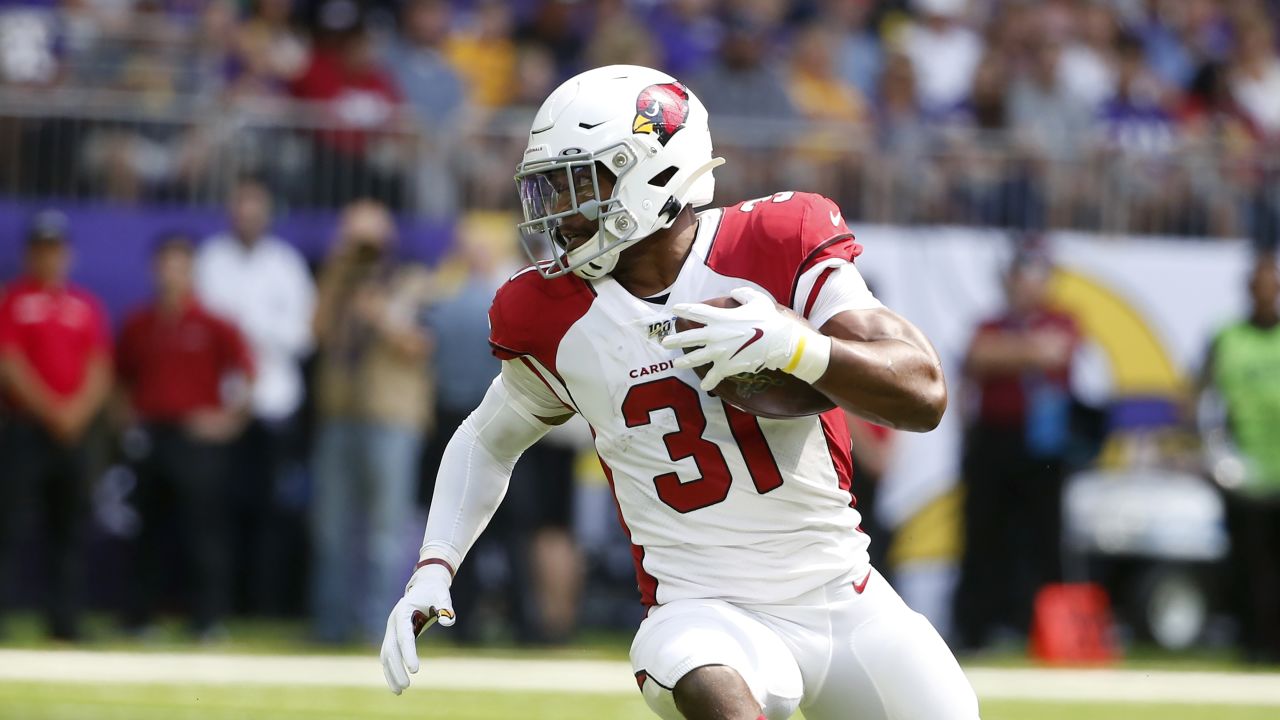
x: 661, y: 110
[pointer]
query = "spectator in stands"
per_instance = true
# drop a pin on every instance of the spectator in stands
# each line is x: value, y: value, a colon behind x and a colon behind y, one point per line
x: 55, y: 370
x: 1019, y: 364
x: 561, y: 27
x: 484, y: 53
x: 359, y: 152
x: 268, y: 54
x: 1052, y: 125
x: 145, y: 52
x: 535, y: 76
x: 619, y: 38
x: 905, y: 186
x: 860, y: 56
x: 1088, y: 59
x: 689, y: 32
x: 944, y: 52
x: 817, y: 91
x: 1135, y: 120
x: 430, y: 84
x: 1243, y: 370
x: 1178, y: 36
x: 1222, y: 149
x: 373, y: 401
x: 184, y: 374
x: 435, y: 93
x: 747, y: 93
x: 742, y: 83
x: 993, y: 183
x: 835, y: 143
x: 1042, y: 111
x: 1255, y: 76
x: 261, y: 284
x: 532, y: 531
x: 1136, y: 127
x: 30, y: 39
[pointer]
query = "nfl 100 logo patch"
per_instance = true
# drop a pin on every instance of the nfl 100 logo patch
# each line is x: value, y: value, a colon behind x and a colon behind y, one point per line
x: 661, y: 328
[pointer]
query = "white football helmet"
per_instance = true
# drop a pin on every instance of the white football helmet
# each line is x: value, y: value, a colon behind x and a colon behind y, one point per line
x: 652, y: 135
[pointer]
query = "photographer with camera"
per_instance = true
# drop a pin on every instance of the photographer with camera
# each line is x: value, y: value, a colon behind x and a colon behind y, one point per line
x: 373, y: 399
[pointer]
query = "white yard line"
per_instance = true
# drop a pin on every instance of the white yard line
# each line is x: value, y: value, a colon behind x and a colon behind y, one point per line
x: 591, y: 676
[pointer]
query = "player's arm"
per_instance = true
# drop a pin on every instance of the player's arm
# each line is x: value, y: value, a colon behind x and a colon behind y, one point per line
x: 882, y: 367
x: 470, y: 484
x: 1208, y: 411
x: 26, y: 385
x: 866, y: 358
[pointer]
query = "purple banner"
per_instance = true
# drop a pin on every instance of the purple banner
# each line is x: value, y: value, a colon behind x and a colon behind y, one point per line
x: 112, y: 243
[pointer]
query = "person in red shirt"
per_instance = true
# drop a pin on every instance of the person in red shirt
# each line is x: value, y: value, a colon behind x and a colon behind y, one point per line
x: 1019, y: 363
x: 55, y: 370
x: 184, y: 374
x: 361, y: 105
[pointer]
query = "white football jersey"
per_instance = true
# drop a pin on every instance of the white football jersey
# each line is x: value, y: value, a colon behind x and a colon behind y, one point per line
x: 717, y: 503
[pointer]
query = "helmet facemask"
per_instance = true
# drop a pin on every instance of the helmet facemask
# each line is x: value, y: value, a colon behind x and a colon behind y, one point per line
x: 555, y: 190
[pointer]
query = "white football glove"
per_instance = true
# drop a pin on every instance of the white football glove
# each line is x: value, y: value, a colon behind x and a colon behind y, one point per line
x: 749, y: 338
x: 426, y: 597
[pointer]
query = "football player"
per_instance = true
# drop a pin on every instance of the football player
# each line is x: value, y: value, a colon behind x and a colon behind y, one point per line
x: 760, y: 597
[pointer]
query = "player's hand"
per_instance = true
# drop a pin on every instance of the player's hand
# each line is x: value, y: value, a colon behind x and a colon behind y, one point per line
x: 426, y: 600
x: 749, y: 338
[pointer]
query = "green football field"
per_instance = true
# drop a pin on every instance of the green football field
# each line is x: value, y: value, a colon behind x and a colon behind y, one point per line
x: 267, y: 671
x: 68, y: 701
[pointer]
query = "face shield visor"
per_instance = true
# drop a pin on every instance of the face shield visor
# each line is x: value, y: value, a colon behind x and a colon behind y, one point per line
x: 551, y: 194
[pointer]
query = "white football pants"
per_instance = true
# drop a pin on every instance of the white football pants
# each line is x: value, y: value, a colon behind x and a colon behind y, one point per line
x: 834, y: 653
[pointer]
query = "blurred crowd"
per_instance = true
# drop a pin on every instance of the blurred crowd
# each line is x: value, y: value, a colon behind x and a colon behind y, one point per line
x: 265, y: 425
x: 1152, y: 116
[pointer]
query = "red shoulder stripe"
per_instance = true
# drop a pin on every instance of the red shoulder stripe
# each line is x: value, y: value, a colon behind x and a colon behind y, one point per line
x: 816, y: 291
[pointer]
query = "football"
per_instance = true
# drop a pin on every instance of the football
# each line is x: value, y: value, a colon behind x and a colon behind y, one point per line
x: 769, y: 393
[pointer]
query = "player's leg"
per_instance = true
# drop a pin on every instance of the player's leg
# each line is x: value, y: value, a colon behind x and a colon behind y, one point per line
x: 336, y: 475
x: 980, y: 601
x: 887, y: 663
x: 716, y: 692
x: 153, y: 500
x: 392, y: 454
x: 23, y: 450
x: 67, y: 516
x: 697, y: 659
x: 199, y: 473
x: 557, y: 564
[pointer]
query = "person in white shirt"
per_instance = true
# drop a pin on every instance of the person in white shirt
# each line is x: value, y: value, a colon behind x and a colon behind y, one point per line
x: 262, y: 285
x: 944, y: 52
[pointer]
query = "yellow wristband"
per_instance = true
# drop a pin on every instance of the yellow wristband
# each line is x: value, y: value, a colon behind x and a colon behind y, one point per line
x: 794, y: 362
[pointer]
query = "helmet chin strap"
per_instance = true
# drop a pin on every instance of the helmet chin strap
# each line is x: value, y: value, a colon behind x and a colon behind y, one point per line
x: 603, y: 265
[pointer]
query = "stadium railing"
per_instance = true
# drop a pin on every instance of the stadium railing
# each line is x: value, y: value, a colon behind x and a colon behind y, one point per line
x: 136, y: 148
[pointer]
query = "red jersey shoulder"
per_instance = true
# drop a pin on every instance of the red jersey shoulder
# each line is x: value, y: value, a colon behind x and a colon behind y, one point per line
x: 530, y: 314
x: 773, y: 240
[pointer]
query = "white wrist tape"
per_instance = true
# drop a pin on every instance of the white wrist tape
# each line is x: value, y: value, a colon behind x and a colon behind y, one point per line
x: 810, y: 358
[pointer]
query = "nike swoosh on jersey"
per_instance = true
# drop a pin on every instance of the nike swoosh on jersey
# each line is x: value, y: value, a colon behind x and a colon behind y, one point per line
x: 835, y: 218
x: 858, y: 587
x: 758, y: 334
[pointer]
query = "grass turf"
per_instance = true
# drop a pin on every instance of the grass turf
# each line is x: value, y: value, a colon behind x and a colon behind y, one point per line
x: 70, y: 701
x: 273, y: 637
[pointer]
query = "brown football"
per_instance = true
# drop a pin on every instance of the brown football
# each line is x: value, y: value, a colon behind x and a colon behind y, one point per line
x: 769, y: 393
